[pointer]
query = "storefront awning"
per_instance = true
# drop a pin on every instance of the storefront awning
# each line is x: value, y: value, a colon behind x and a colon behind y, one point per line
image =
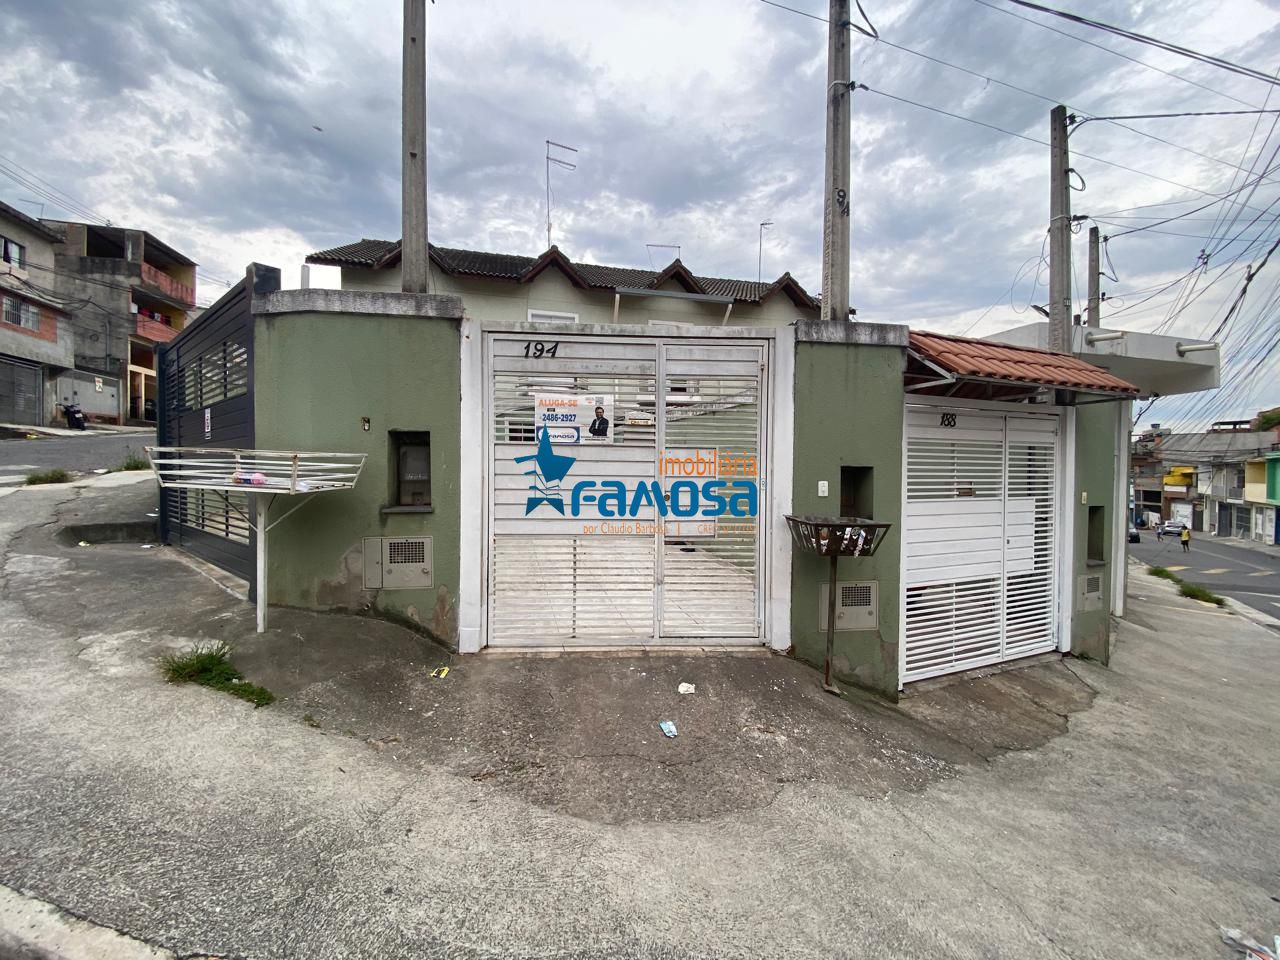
x: 960, y: 367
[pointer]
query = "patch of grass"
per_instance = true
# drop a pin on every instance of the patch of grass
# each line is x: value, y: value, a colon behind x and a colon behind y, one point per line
x: 132, y: 461
x: 1197, y: 592
x: 56, y: 475
x: 1192, y: 590
x: 209, y: 664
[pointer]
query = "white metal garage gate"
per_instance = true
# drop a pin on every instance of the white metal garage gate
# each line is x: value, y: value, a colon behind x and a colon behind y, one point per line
x: 581, y: 573
x: 981, y: 538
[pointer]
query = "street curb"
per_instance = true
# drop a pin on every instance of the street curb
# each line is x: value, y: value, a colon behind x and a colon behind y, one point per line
x: 32, y: 929
x: 1248, y: 613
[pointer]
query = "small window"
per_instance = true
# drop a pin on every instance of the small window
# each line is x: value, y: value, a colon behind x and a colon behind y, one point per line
x: 14, y: 253
x: 410, y: 468
x: 21, y: 314
x: 551, y: 315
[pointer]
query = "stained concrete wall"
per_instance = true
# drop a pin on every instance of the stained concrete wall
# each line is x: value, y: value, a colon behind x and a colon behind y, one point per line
x: 316, y: 374
x: 849, y: 412
x: 1096, y: 439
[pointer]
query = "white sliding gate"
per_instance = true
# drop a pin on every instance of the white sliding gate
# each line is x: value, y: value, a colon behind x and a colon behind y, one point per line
x: 981, y: 538
x: 575, y: 564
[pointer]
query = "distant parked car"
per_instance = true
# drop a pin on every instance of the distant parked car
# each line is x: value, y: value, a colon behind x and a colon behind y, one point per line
x: 1173, y: 526
x: 1133, y: 535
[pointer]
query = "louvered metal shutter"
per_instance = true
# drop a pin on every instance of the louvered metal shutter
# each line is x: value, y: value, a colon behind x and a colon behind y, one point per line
x: 635, y: 579
x: 980, y: 539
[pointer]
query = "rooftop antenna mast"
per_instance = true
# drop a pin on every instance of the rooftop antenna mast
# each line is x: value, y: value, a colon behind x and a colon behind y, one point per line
x: 650, y: 247
x: 564, y: 164
x: 764, y: 225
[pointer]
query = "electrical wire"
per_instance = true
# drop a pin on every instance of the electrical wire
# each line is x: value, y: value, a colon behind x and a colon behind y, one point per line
x: 1114, y: 53
x: 1043, y: 143
x: 1113, y: 121
x: 1152, y: 41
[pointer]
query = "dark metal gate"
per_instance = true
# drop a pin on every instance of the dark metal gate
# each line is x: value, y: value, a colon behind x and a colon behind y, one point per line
x: 206, y: 400
x: 21, y: 391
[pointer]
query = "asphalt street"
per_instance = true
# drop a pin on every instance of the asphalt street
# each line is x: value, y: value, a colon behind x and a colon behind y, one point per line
x: 1247, y: 574
x: 190, y: 821
x: 92, y: 451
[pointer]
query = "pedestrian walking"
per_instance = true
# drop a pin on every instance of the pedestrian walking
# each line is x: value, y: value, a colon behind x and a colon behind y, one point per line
x: 1160, y: 532
x: 1185, y: 537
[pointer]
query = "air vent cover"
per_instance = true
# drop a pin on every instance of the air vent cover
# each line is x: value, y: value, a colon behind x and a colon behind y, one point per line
x: 857, y: 605
x: 397, y: 563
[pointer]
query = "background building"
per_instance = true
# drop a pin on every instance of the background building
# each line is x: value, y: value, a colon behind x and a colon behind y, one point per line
x: 127, y: 292
x: 36, y: 340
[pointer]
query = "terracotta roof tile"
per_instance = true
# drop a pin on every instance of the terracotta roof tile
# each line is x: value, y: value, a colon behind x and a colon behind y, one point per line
x: 999, y: 361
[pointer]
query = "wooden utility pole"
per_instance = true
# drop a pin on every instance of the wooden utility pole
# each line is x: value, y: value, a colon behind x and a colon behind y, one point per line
x: 415, y: 272
x: 1094, y: 312
x: 1059, y: 233
x: 835, y: 213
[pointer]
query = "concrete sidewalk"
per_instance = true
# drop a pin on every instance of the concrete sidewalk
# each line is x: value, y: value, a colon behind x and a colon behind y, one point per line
x: 198, y: 825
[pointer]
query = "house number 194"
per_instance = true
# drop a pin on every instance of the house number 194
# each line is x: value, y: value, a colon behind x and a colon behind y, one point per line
x: 537, y: 349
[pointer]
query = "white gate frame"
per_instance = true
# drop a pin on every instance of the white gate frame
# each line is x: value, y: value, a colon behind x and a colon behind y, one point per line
x: 776, y: 487
x: 1065, y: 457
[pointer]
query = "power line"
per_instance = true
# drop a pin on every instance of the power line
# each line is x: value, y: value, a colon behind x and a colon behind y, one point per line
x: 1114, y: 53
x: 1170, y: 116
x: 1152, y: 41
x: 1043, y: 143
x: 1114, y: 121
x: 49, y: 192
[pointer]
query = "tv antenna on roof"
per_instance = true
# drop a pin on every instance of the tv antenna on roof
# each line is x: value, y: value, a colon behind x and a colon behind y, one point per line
x: 564, y: 164
x: 650, y: 247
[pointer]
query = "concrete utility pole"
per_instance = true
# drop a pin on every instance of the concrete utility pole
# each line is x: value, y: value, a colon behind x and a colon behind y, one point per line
x: 415, y: 271
x: 835, y: 211
x: 1059, y: 233
x: 1094, y: 312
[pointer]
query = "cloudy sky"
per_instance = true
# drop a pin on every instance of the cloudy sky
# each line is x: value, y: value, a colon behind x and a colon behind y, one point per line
x: 695, y: 121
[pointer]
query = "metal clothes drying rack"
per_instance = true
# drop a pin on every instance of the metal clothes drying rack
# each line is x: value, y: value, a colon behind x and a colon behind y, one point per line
x: 263, y: 473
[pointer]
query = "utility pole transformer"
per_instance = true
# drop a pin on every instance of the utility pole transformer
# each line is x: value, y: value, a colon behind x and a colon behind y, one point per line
x: 835, y: 212
x: 1094, y: 312
x: 415, y: 271
x: 1059, y: 233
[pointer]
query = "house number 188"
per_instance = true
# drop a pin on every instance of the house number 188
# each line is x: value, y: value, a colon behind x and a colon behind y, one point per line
x: 536, y: 349
x: 948, y: 420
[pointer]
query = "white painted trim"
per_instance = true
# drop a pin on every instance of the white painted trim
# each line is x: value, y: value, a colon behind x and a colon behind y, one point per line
x: 902, y: 552
x: 1120, y: 522
x: 550, y: 316
x: 781, y: 446
x: 1067, y: 524
x: 472, y: 467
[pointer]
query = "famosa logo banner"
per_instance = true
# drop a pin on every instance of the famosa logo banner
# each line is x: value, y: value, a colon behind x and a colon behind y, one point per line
x: 735, y: 496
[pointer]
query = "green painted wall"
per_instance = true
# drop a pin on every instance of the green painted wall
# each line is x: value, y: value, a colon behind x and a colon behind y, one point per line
x: 316, y: 375
x: 848, y: 411
x: 1095, y: 478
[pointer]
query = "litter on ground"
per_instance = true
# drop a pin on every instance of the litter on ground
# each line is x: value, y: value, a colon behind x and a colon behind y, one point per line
x: 686, y: 688
x: 440, y: 672
x: 83, y: 543
x: 668, y: 728
x: 101, y: 470
x: 1246, y: 945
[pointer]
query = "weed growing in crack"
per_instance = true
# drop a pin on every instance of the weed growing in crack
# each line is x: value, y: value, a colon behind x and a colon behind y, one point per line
x: 209, y: 664
x: 56, y: 475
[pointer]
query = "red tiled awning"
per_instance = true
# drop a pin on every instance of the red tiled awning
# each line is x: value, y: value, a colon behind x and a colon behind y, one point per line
x: 1002, y: 363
